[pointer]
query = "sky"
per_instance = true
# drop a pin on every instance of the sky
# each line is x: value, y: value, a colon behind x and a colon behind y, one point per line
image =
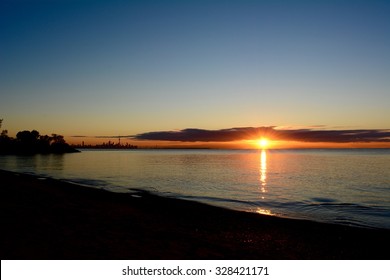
x: 144, y: 68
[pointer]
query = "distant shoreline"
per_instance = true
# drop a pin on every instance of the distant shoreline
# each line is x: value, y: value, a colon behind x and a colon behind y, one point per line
x: 43, y: 218
x: 226, y: 149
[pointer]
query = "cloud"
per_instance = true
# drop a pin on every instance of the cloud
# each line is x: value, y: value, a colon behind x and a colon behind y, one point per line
x: 250, y: 133
x: 202, y: 135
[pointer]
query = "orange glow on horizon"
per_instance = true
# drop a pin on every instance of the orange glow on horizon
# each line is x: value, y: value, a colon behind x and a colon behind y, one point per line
x: 242, y: 144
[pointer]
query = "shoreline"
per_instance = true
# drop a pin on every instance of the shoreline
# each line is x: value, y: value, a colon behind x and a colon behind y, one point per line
x: 44, y: 218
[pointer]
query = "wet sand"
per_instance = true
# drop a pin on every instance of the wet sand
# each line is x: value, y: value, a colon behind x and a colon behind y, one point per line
x: 52, y: 219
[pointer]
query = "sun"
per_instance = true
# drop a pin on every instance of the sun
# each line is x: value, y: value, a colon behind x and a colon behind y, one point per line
x: 263, y: 143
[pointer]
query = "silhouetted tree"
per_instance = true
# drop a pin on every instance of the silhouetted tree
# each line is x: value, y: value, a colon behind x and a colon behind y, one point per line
x: 27, y: 141
x: 44, y: 143
x: 31, y: 142
x: 57, y: 139
x: 58, y: 144
x: 4, y: 133
x: 5, y: 141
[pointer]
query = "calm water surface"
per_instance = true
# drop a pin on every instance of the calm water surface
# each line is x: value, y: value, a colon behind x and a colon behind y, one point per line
x: 337, y: 186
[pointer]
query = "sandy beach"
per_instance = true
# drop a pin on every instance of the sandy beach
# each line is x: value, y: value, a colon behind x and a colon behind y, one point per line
x: 43, y: 218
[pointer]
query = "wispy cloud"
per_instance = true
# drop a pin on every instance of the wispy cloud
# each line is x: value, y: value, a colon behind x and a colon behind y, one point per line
x: 272, y: 132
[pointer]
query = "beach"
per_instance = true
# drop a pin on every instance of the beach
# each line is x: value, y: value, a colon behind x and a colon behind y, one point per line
x: 43, y: 218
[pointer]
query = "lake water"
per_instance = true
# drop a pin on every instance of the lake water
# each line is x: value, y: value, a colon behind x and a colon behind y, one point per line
x: 336, y: 186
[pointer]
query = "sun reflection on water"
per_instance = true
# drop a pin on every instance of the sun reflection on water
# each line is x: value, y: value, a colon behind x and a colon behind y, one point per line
x: 264, y: 211
x: 263, y: 181
x: 263, y: 173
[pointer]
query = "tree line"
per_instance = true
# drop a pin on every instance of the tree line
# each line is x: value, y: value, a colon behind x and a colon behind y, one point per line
x: 31, y: 142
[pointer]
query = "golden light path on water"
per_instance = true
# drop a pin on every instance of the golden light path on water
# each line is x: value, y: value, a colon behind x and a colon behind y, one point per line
x: 263, y: 181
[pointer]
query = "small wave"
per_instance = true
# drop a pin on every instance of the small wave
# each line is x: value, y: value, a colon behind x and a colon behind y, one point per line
x: 88, y: 182
x: 323, y: 210
x: 348, y: 206
x: 348, y: 214
x: 323, y: 199
x: 211, y: 199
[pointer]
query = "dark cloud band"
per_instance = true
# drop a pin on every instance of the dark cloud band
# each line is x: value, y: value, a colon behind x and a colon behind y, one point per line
x: 249, y: 133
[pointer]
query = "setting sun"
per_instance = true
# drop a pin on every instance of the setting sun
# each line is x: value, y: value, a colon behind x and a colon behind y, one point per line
x: 263, y: 143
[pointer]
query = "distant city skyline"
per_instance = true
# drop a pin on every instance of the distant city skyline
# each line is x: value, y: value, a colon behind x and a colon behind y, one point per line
x: 139, y: 68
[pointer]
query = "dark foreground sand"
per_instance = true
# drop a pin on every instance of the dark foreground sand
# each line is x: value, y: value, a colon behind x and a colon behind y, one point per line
x: 50, y: 219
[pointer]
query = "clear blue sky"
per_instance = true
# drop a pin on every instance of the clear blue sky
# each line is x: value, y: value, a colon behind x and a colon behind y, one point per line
x: 127, y: 67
